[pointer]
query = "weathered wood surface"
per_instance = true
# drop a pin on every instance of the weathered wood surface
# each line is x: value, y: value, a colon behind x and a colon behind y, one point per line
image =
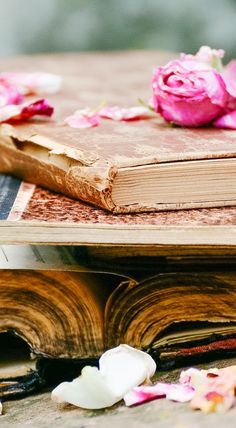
x: 40, y: 411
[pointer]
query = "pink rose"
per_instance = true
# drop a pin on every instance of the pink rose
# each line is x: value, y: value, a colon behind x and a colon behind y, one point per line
x: 189, y: 92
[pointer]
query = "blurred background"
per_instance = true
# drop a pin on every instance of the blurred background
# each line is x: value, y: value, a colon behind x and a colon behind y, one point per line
x: 32, y: 26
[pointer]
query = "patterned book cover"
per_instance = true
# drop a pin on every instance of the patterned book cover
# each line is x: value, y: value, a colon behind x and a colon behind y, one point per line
x: 24, y: 201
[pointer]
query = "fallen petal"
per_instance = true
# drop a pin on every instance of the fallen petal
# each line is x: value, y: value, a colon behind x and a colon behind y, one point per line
x: 192, y: 376
x: 0, y: 408
x: 180, y: 393
x: 121, y: 369
x: 22, y: 112
x: 33, y: 83
x: 88, y: 391
x: 213, y: 401
x: 125, y: 114
x: 125, y: 367
x: 83, y: 119
x: 9, y: 94
x: 174, y: 392
x: 227, y: 121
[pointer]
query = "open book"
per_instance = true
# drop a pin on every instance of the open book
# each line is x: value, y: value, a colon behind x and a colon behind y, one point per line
x: 55, y: 308
x: 122, y: 167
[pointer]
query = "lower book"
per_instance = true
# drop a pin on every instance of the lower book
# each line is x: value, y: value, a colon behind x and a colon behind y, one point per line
x: 60, y: 314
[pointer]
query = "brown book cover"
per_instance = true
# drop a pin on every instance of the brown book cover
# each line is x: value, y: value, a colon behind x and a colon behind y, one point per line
x: 122, y: 167
x: 31, y: 214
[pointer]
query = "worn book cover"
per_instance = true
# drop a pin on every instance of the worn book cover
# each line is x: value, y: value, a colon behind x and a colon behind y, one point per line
x: 31, y: 214
x: 136, y: 166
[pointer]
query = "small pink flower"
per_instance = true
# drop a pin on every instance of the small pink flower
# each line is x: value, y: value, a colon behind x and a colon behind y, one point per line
x: 189, y: 93
x: 84, y: 118
x: 125, y: 113
x: 22, y: 112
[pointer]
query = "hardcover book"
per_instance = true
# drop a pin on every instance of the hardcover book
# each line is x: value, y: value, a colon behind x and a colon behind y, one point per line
x: 31, y: 214
x: 137, y: 166
x: 56, y: 309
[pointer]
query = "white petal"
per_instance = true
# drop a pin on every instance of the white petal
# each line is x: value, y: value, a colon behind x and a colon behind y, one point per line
x: 121, y: 369
x: 88, y: 391
x: 125, y: 367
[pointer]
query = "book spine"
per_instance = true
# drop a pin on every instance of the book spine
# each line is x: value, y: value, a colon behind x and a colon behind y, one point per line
x: 92, y: 184
x: 9, y: 187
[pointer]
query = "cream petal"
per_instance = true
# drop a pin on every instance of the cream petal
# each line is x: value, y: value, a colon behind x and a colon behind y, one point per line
x: 125, y: 367
x: 121, y: 369
x: 88, y: 391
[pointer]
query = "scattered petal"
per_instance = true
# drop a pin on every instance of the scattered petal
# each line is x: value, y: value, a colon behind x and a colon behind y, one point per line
x: 144, y: 393
x: 227, y: 121
x: 125, y: 367
x: 214, y: 388
x: 174, y: 392
x: 84, y: 118
x: 180, y: 393
x: 33, y: 83
x: 0, y: 408
x: 18, y: 113
x: 88, y: 391
x: 9, y: 94
x: 212, y: 401
x: 121, y: 369
x: 125, y: 114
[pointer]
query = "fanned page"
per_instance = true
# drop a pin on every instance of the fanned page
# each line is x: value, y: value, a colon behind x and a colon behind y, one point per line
x: 30, y: 214
x: 175, y: 316
x: 92, y: 164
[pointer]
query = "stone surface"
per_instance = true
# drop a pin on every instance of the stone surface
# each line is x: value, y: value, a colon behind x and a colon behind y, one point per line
x: 39, y: 411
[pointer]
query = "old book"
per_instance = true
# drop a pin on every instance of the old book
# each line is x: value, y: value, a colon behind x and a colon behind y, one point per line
x: 54, y: 309
x: 30, y: 214
x: 122, y: 167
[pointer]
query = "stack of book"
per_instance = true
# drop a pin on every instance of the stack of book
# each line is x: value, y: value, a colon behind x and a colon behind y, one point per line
x: 126, y: 260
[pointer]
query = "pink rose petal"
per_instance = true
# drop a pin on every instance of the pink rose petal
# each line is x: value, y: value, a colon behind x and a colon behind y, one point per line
x: 229, y: 76
x: 22, y: 112
x: 144, y: 393
x: 33, y: 83
x: 227, y: 121
x: 213, y: 401
x: 214, y: 388
x: 180, y: 393
x: 83, y: 119
x: 210, y: 390
x: 208, y: 56
x: 125, y: 114
x: 9, y: 94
